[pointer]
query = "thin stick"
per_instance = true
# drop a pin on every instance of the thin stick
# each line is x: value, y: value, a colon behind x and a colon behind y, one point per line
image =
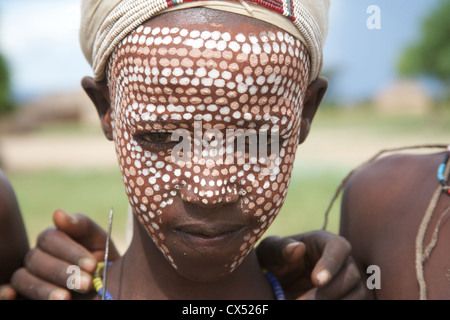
x: 105, y: 266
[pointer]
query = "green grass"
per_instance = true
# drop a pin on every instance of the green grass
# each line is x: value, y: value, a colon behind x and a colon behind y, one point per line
x: 308, y: 197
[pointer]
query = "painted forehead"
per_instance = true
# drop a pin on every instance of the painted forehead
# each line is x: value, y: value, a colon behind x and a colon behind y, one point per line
x: 202, y: 68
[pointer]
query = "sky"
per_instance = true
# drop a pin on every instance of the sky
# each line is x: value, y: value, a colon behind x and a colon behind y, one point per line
x: 39, y: 39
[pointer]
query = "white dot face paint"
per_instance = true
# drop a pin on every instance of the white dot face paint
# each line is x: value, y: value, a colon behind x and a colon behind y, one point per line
x: 209, y: 209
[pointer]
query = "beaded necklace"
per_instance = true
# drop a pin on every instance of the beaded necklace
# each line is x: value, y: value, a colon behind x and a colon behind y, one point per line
x: 441, y: 170
x: 276, y: 286
x: 98, y: 284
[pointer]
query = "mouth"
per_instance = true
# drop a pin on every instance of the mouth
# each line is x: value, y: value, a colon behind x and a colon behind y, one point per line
x: 209, y: 239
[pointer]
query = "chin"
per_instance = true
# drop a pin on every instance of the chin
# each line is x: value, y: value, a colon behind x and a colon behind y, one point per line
x: 206, y: 266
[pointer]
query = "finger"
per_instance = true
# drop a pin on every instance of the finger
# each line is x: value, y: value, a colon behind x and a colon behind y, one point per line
x: 293, y: 250
x: 342, y: 284
x: 7, y: 292
x: 57, y: 272
x: 31, y: 287
x: 80, y: 227
x: 276, y: 252
x: 336, y: 251
x: 61, y: 246
x: 85, y: 231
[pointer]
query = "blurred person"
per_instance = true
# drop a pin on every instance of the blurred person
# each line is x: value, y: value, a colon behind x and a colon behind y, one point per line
x: 395, y: 213
x: 13, y: 238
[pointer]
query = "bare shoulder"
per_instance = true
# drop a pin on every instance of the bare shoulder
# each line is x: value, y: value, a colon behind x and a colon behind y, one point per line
x: 8, y: 201
x: 10, y: 214
x: 380, y: 192
x: 383, y: 206
x: 391, y: 178
x: 12, y: 231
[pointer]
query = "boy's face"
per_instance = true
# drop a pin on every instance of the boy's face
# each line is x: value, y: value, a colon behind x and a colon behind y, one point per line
x: 204, y: 210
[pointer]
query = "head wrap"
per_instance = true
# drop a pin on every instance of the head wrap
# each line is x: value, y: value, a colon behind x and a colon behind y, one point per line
x: 104, y: 23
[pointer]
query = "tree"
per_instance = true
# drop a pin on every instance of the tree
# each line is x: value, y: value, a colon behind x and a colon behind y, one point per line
x: 6, y: 103
x: 430, y: 56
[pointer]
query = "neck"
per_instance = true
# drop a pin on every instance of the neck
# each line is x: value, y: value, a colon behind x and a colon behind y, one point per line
x: 144, y: 273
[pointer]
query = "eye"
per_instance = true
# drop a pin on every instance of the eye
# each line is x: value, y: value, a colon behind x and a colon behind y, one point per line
x: 157, y: 137
x: 156, y: 141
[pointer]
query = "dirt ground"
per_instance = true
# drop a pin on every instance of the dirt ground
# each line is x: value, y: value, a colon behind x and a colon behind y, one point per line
x: 35, y: 152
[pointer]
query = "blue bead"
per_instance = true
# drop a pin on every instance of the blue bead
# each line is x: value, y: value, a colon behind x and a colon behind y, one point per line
x: 440, y: 172
x: 276, y: 286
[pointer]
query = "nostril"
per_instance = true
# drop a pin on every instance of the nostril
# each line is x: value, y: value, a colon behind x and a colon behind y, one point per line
x: 232, y: 195
x: 209, y: 197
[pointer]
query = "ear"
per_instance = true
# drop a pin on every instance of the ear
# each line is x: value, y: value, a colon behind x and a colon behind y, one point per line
x: 314, y: 95
x: 99, y: 94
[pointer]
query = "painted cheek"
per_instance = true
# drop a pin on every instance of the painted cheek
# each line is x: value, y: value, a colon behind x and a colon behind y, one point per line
x: 262, y: 195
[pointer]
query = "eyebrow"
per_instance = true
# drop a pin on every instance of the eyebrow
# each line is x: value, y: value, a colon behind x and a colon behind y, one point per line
x: 161, y: 123
x: 173, y: 121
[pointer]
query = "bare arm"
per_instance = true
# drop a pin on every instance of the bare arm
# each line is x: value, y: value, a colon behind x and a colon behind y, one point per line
x: 13, y: 237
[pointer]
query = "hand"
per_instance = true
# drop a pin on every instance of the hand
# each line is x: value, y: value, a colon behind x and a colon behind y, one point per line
x: 314, y: 265
x: 75, y: 240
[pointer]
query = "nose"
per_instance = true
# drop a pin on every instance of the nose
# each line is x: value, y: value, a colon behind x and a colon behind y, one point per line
x: 210, y: 193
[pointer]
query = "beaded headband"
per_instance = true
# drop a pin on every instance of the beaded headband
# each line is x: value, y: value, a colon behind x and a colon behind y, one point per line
x: 105, y: 23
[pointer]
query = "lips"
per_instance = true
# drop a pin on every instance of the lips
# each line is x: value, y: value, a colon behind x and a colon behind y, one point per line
x: 205, y: 238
